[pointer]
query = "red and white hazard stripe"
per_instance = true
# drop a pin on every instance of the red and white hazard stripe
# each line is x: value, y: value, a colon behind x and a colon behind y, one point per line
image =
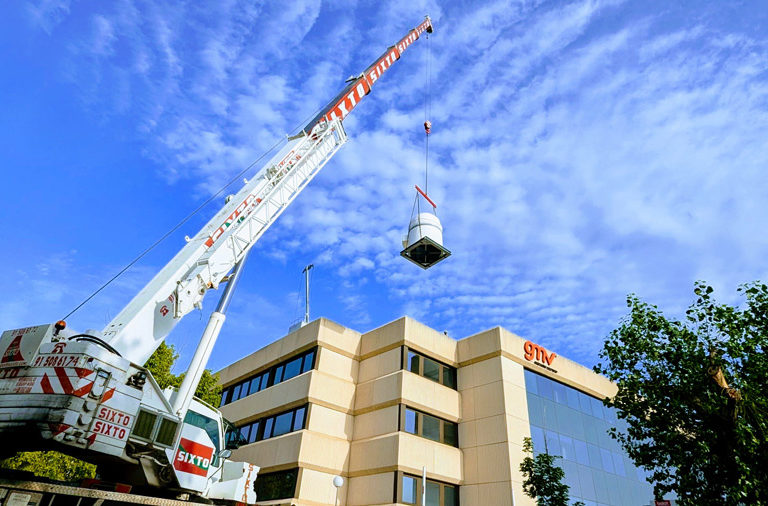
x: 65, y: 380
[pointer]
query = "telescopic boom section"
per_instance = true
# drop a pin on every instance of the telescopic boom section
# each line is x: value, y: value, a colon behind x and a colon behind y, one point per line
x: 212, y: 253
x: 350, y: 96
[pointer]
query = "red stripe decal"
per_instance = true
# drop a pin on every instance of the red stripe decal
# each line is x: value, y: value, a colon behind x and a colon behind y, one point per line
x: 58, y: 428
x: 66, y: 385
x: 108, y: 395
x: 82, y: 372
x: 45, y: 384
x: 84, y: 390
x: 91, y: 439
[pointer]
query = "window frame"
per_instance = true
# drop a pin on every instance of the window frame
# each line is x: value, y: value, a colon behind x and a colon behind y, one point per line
x: 405, y: 364
x: 420, y: 425
x: 398, y: 492
x: 265, y: 425
x: 270, y: 376
x: 296, y: 471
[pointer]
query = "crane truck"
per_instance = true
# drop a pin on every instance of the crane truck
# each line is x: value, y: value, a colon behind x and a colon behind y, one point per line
x: 86, y: 394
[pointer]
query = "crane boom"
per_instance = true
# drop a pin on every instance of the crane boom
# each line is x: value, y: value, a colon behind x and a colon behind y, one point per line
x: 362, y: 84
x: 209, y: 256
x: 88, y: 394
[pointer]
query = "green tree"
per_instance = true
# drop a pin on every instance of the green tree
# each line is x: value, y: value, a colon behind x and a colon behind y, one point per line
x: 160, y: 365
x: 542, y: 479
x: 52, y: 465
x: 57, y: 466
x: 694, y: 394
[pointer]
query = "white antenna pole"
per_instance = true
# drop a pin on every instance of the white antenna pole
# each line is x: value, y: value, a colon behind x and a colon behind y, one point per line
x: 423, y: 485
x: 306, y: 292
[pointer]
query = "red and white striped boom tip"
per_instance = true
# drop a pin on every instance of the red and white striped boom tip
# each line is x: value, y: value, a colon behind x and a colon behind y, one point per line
x: 358, y: 88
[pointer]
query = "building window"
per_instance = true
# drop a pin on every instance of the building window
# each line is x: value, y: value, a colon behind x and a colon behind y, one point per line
x: 567, y: 422
x: 437, y: 493
x: 428, y: 426
x: 272, y: 426
x: 279, y: 485
x: 276, y: 374
x: 429, y: 368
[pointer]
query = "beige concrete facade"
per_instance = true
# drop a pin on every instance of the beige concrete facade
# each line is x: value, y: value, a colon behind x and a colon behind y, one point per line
x: 356, y: 395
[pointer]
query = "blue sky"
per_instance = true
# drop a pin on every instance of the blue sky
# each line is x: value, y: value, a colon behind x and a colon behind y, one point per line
x: 581, y: 151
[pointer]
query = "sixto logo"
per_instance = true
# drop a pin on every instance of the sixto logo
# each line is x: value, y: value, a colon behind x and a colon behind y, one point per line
x: 534, y: 352
x: 193, y: 457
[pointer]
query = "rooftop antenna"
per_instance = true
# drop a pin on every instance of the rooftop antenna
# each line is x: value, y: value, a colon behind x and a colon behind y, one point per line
x: 297, y: 324
x: 306, y: 292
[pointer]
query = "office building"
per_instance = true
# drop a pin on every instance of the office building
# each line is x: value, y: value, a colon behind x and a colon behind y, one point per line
x: 381, y: 407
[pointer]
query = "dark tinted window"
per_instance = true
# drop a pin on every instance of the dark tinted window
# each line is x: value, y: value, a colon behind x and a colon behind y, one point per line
x: 283, y: 424
x: 449, y: 377
x: 254, y: 431
x: 276, y: 425
x: 256, y: 384
x: 431, y: 427
x: 280, y: 485
x: 277, y: 374
x: 245, y: 432
x: 436, y: 493
x: 428, y: 426
x: 451, y: 434
x: 410, y: 421
x: 292, y: 368
x: 244, y: 389
x: 210, y: 425
x: 268, y: 423
x: 450, y: 496
x: 272, y: 376
x: 413, y: 362
x: 429, y: 368
x: 309, y: 361
x: 409, y: 490
x: 433, y: 494
x: 298, y: 419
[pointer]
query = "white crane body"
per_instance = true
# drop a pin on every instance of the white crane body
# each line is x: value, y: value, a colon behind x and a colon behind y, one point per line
x: 88, y: 394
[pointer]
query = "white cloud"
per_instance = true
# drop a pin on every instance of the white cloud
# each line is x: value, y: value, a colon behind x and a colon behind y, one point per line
x: 48, y: 13
x: 579, y: 151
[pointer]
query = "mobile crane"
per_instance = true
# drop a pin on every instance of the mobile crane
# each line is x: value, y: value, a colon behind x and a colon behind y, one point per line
x: 87, y: 394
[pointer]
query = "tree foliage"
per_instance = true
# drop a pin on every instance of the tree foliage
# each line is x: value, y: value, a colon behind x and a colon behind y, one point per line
x: 695, y: 396
x: 57, y: 466
x: 160, y: 365
x: 542, y: 479
x: 52, y: 465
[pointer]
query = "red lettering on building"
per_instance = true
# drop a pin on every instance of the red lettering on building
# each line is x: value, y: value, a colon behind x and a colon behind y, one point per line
x: 536, y: 352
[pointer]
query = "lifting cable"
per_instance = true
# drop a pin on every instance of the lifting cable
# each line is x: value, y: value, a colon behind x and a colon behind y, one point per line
x: 427, y: 131
x: 427, y: 115
x: 186, y: 218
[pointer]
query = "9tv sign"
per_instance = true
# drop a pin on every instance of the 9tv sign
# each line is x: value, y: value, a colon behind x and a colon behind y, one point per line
x: 539, y: 353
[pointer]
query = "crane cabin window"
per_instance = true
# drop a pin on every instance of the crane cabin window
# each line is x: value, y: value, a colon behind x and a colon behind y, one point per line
x: 283, y: 371
x: 210, y: 426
